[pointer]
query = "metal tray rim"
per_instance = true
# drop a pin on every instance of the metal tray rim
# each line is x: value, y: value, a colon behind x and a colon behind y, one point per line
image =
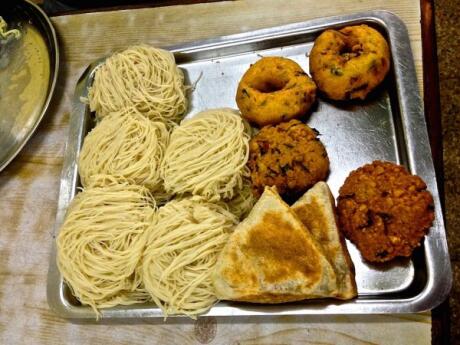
x: 439, y: 276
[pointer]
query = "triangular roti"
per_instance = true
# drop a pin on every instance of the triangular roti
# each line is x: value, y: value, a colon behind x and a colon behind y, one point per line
x: 272, y: 258
x: 316, y: 211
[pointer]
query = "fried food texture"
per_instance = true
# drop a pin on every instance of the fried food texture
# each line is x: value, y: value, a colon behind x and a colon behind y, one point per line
x: 288, y: 156
x: 273, y: 90
x: 384, y: 210
x: 349, y: 63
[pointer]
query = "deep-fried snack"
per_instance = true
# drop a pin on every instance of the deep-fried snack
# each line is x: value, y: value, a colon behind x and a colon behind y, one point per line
x: 275, y: 89
x: 288, y: 156
x: 349, y: 63
x: 384, y: 210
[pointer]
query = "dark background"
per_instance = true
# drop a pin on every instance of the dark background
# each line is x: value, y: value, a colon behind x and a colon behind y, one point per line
x: 56, y: 7
x: 447, y: 19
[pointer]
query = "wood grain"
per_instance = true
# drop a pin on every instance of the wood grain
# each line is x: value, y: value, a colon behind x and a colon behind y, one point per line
x: 29, y: 187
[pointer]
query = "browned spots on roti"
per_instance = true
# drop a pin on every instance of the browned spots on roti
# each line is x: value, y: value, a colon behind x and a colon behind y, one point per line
x: 314, y: 219
x: 239, y: 273
x: 282, y: 250
x: 271, y: 298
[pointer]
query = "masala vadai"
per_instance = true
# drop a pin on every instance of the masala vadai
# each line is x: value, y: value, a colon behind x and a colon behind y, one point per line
x: 384, y: 210
x: 273, y: 90
x: 288, y: 156
x: 349, y: 63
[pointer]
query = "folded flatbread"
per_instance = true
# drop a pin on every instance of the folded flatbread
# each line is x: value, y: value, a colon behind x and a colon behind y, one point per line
x: 316, y: 211
x: 272, y: 258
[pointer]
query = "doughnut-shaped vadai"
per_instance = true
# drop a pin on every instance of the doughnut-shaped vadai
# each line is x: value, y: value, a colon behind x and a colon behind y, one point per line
x: 273, y: 90
x: 349, y: 63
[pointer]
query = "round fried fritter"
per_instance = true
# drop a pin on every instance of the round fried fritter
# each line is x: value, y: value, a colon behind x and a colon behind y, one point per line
x: 349, y: 63
x: 275, y: 89
x: 288, y: 156
x: 384, y: 210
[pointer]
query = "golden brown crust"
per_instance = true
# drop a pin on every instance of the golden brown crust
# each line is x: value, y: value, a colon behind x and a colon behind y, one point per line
x: 316, y: 210
x: 284, y: 251
x: 384, y: 210
x: 349, y: 63
x: 272, y: 298
x: 272, y: 258
x: 285, y: 255
x: 275, y: 89
x: 288, y: 156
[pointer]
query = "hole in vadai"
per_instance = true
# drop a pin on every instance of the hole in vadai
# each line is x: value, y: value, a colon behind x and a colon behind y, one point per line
x: 273, y: 90
x: 270, y: 85
x: 349, y: 63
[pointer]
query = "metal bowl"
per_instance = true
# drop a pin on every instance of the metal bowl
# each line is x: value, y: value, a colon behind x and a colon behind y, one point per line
x: 28, y: 72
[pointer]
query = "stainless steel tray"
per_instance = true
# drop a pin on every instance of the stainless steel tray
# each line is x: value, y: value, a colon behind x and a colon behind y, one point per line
x: 389, y: 126
x: 28, y: 73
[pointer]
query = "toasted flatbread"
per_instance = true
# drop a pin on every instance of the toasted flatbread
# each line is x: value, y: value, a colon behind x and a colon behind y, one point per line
x: 272, y: 258
x: 316, y: 210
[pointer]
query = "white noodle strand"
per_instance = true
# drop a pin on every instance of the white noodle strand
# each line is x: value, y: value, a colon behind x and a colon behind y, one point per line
x: 181, y: 251
x: 142, y: 77
x: 126, y: 145
x: 207, y: 155
x: 101, y: 241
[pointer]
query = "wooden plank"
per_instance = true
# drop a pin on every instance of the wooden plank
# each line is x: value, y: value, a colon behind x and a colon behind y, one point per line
x: 440, y: 331
x: 29, y: 187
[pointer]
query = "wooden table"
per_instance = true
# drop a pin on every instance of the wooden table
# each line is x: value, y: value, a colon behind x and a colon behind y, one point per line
x: 29, y: 187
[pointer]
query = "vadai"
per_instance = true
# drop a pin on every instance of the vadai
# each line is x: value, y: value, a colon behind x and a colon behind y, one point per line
x: 349, y: 63
x: 384, y: 210
x: 288, y: 156
x: 275, y: 89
